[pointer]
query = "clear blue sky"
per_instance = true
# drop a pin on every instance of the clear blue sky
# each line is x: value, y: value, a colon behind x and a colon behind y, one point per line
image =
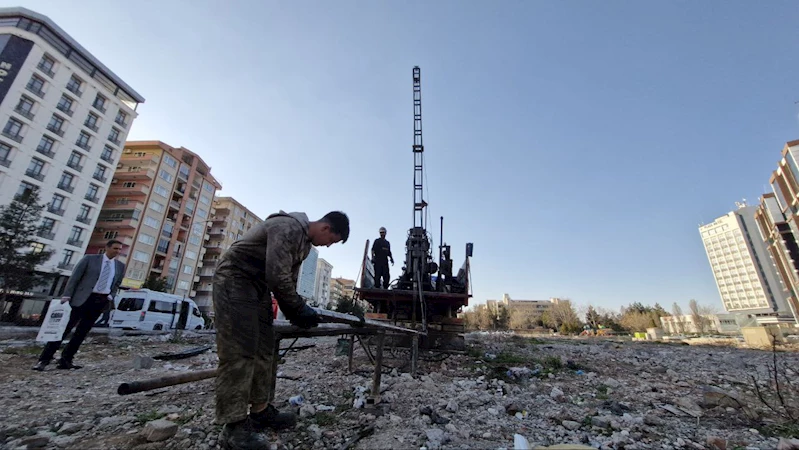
x: 577, y: 144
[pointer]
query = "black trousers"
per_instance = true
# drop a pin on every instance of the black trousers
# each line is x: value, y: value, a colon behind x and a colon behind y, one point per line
x: 381, y: 271
x: 84, y: 317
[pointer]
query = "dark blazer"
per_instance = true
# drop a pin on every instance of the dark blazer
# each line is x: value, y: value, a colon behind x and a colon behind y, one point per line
x: 85, y: 276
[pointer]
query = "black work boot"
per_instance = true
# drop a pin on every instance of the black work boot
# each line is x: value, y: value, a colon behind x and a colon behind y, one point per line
x: 242, y: 435
x: 270, y: 417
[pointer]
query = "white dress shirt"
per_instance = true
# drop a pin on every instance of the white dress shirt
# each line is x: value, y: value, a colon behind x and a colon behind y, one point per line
x: 111, y: 272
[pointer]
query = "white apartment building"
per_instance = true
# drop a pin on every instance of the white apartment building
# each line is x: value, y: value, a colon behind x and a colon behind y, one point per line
x: 64, y: 117
x: 746, y: 279
x: 322, y: 284
x: 307, y: 278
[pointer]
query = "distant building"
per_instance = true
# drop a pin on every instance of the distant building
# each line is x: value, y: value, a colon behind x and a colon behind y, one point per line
x: 341, y: 287
x: 533, y: 308
x: 714, y: 323
x: 322, y: 284
x: 745, y: 276
x: 227, y: 225
x: 307, y: 278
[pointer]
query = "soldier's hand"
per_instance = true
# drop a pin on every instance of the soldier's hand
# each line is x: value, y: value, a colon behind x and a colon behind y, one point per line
x: 306, y: 318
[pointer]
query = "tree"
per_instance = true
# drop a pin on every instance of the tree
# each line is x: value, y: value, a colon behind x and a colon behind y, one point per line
x: 155, y: 283
x: 679, y: 322
x: 20, y: 253
x: 699, y: 317
x: 348, y: 305
x: 561, y: 316
x: 592, y: 317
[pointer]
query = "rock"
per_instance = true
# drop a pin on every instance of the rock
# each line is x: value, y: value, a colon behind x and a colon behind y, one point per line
x: 452, y: 406
x: 70, y: 428
x: 513, y: 408
x: 570, y: 425
x: 788, y: 444
x: 601, y: 422
x: 159, y: 430
x: 612, y: 382
x: 63, y: 441
x: 142, y: 362
x: 34, y: 441
x: 652, y: 420
x: 315, y: 432
x: 556, y: 393
x: 307, y: 410
x: 716, y: 443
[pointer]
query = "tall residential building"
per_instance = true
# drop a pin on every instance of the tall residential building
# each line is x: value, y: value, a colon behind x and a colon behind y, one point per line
x: 777, y: 220
x: 307, y: 278
x: 228, y: 224
x: 64, y: 116
x: 746, y: 279
x: 161, y: 199
x: 341, y: 287
x: 322, y: 283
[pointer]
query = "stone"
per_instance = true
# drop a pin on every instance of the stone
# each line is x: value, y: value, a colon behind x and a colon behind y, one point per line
x: 716, y: 443
x: 142, y: 362
x: 570, y: 425
x: 452, y: 406
x: 38, y: 441
x: 788, y: 444
x: 159, y: 430
x: 307, y: 410
x: 315, y: 432
x: 70, y: 428
x: 601, y: 422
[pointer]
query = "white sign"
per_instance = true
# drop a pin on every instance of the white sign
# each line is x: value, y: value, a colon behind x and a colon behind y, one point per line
x: 55, y: 323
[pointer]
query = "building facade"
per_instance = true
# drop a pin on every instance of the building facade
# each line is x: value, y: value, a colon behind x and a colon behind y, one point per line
x: 307, y: 280
x: 746, y: 279
x: 228, y: 224
x: 322, y: 283
x: 158, y: 206
x: 64, y: 116
x: 776, y: 219
x: 341, y: 287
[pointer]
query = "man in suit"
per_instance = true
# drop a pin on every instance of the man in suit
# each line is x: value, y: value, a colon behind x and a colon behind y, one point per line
x: 93, y: 284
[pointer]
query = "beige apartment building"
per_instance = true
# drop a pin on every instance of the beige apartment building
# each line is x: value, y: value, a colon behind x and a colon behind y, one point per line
x: 159, y: 202
x: 228, y: 224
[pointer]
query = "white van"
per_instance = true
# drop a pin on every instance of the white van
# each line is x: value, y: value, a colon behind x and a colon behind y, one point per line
x: 143, y: 309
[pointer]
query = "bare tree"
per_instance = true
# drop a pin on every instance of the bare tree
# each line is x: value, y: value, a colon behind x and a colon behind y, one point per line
x: 676, y: 312
x: 700, y: 320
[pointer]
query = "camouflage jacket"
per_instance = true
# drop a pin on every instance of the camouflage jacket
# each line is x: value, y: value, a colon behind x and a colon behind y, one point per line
x: 272, y: 251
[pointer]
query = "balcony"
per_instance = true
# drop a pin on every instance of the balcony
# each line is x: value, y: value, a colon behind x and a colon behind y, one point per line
x: 75, y: 166
x: 16, y: 137
x: 100, y: 178
x: 91, y: 126
x: 35, y: 90
x: 177, y: 253
x: 66, y: 266
x: 75, y: 242
x: 56, y: 211
x: 118, y: 222
x: 146, y: 158
x: 64, y: 110
x: 65, y: 187
x: 131, y: 191
x: 35, y: 175
x: 99, y: 107
x: 6, y: 162
x: 46, y: 234
x: 121, y: 122
x: 174, y: 204
x: 48, y: 152
x: 84, y: 145
x: 162, y: 249
x: 84, y: 219
x: 107, y: 158
x: 46, y: 70
x: 127, y: 205
x: 74, y: 88
x: 26, y: 114
x: 114, y: 141
x: 55, y: 130
x: 141, y: 174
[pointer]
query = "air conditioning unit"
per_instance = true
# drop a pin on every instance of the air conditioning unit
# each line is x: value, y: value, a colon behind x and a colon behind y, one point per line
x: 127, y: 150
x: 114, y: 181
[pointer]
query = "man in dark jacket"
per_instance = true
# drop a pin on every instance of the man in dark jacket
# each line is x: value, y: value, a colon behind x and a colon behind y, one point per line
x: 267, y: 258
x: 381, y: 253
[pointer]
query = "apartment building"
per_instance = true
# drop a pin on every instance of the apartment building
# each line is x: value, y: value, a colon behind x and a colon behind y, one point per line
x: 64, y: 116
x: 531, y: 308
x: 341, y: 287
x: 745, y: 276
x: 307, y: 279
x: 158, y: 206
x: 776, y: 218
x: 322, y: 283
x: 228, y: 224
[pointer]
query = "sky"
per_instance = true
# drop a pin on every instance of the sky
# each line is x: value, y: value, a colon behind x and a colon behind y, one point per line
x: 578, y: 145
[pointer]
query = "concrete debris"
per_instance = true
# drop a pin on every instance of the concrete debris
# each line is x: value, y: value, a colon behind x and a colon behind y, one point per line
x: 627, y: 395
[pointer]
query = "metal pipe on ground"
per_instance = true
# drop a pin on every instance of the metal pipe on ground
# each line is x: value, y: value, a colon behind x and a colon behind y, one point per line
x: 169, y: 380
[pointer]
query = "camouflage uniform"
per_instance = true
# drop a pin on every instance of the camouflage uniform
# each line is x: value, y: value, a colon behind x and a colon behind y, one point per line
x: 268, y: 257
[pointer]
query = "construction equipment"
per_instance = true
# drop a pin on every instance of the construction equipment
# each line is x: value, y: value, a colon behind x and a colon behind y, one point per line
x: 427, y: 295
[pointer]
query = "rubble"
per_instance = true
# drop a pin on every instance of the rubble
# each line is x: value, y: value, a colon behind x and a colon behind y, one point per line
x: 572, y: 393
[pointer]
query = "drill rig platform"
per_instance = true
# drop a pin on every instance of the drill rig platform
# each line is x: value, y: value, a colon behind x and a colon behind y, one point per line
x: 427, y: 296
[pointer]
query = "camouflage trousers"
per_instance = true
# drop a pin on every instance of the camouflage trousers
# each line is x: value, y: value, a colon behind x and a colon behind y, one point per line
x: 245, y: 343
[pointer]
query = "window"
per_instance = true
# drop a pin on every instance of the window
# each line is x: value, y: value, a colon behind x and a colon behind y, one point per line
x: 183, y: 284
x: 141, y: 256
x: 113, y: 136
x: 46, y: 65
x: 197, y: 229
x: 25, y: 107
x: 166, y: 176
x: 55, y: 124
x: 151, y: 222
x: 108, y: 154
x: 184, y: 172
x: 74, y: 160
x: 201, y: 213
x: 65, y: 104
x: 170, y: 161
x: 37, y: 247
x: 57, y: 202
x: 188, y: 269
x: 47, y: 225
x: 13, y: 128
x: 45, y: 145
x: 194, y: 240
x: 76, y: 233
x: 36, y: 166
x: 36, y: 85
x: 205, y: 200
x: 131, y: 304
x: 145, y: 238
x: 5, y: 152
x: 191, y: 254
x: 208, y: 187
x: 160, y: 306
x: 99, y: 173
x: 83, y: 140
x: 91, y: 193
x: 84, y: 211
x: 163, y: 245
x: 91, y: 121
x: 99, y: 102
x: 111, y: 234
x: 160, y: 190
x: 66, y: 180
x: 66, y: 259
x: 74, y: 85
x: 195, y: 312
x: 129, y: 184
x: 121, y: 118
x: 155, y: 206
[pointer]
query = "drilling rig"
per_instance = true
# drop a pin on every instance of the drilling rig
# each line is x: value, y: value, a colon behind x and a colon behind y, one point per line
x: 427, y: 295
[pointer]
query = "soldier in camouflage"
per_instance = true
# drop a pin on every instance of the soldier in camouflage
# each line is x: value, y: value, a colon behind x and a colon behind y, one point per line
x: 267, y: 258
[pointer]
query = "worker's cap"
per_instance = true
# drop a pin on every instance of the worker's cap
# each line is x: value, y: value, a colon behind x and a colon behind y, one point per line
x: 382, y: 229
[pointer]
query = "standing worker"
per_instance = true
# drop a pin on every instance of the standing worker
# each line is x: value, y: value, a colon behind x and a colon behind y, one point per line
x: 381, y: 253
x: 90, y: 291
x: 267, y: 258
